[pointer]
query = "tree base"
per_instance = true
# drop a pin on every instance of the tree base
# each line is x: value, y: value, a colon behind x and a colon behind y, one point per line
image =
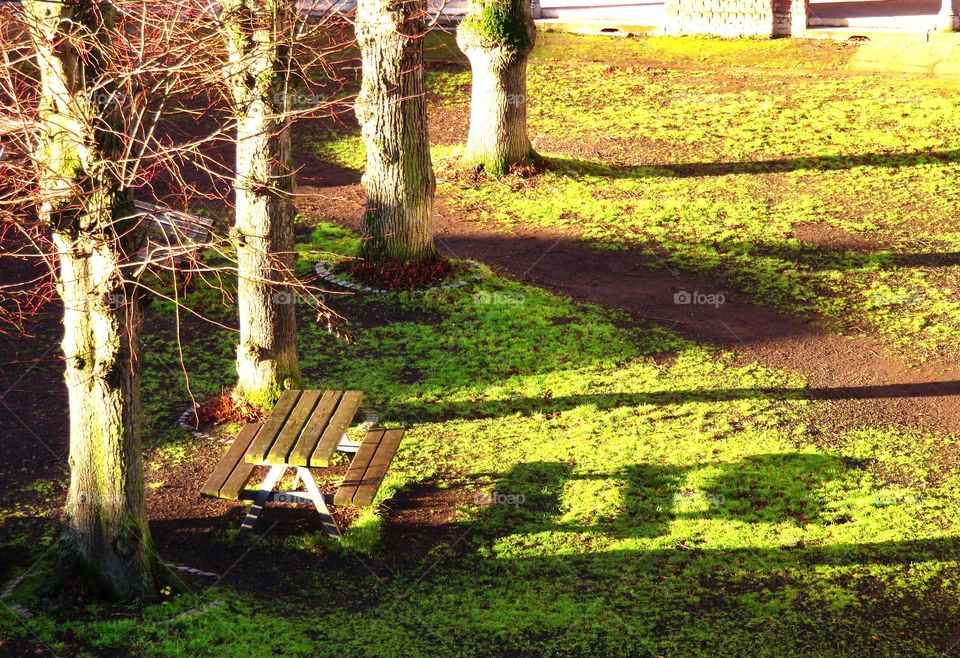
x: 265, y: 397
x: 396, y: 275
x: 495, y: 166
x: 71, y: 581
x: 226, y: 407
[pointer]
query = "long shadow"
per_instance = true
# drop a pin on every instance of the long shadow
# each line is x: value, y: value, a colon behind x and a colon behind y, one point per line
x: 764, y: 488
x: 715, y: 586
x: 815, y: 257
x: 576, y: 168
x: 769, y: 593
x: 762, y: 302
x: 605, y: 401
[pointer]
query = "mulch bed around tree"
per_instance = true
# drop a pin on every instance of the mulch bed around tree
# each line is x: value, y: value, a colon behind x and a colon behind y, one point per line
x: 399, y: 276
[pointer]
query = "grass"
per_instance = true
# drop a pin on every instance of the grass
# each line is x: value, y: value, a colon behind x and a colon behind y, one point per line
x: 809, y: 188
x: 619, y: 490
x: 654, y: 496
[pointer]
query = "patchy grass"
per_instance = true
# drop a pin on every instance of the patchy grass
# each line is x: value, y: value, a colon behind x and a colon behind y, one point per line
x: 626, y: 492
x: 820, y: 193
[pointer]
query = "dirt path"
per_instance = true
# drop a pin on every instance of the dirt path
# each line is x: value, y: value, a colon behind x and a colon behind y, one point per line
x: 864, y: 385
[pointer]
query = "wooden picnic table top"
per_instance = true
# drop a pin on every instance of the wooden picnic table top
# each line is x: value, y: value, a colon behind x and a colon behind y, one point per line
x: 304, y: 428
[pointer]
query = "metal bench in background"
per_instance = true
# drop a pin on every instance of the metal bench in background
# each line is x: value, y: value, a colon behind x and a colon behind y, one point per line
x: 171, y: 238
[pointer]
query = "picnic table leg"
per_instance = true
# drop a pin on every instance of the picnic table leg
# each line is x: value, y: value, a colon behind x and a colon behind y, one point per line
x: 269, y: 482
x: 329, y: 524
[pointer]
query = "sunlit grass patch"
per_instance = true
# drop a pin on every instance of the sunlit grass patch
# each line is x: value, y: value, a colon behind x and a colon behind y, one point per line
x: 825, y: 195
x: 679, y: 499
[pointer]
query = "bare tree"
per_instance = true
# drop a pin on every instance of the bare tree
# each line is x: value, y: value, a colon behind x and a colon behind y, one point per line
x: 398, y: 180
x: 86, y: 204
x: 101, y: 101
x: 259, y: 39
x: 498, y: 36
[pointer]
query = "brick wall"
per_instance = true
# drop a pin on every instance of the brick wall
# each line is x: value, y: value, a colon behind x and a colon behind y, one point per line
x: 736, y: 18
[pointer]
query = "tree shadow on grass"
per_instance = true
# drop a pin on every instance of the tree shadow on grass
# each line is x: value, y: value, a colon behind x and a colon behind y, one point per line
x: 576, y: 168
x: 440, y: 411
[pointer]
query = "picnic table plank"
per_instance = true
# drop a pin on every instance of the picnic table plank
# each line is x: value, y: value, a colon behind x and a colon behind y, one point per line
x: 291, y: 430
x: 218, y: 479
x: 377, y: 470
x: 271, y: 428
x: 339, y: 422
x: 354, y: 476
x: 237, y: 481
x: 310, y: 436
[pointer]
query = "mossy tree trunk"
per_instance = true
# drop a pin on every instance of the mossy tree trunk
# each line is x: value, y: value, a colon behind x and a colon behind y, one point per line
x: 259, y: 47
x: 498, y: 36
x: 391, y: 109
x: 106, y: 539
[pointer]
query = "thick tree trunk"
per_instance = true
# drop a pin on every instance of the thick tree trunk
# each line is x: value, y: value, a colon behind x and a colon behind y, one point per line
x: 264, y: 188
x: 948, y: 20
x: 498, y: 36
x: 398, y: 180
x: 106, y: 538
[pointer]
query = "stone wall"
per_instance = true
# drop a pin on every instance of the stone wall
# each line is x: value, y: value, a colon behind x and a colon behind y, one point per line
x: 736, y: 18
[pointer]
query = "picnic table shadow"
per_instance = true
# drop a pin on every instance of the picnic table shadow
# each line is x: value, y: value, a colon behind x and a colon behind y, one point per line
x: 764, y: 488
x: 688, y: 577
x: 761, y: 489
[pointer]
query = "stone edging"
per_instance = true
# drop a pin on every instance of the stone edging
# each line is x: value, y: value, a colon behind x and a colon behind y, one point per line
x: 189, y: 570
x: 324, y: 272
x: 184, y: 423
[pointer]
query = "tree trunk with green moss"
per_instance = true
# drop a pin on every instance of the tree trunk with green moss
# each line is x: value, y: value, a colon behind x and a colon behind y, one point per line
x: 106, y: 539
x: 257, y: 36
x: 398, y: 179
x: 498, y: 36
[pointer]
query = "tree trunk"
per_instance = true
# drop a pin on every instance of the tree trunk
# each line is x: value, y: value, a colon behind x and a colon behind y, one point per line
x: 498, y: 36
x: 948, y: 20
x: 264, y: 189
x: 398, y: 180
x: 106, y: 538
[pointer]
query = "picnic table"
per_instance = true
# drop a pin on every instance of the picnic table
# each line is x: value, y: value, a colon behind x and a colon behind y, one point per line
x: 303, y: 432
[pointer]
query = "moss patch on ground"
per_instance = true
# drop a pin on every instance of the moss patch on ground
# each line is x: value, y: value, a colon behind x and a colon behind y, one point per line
x: 822, y: 193
x: 624, y: 492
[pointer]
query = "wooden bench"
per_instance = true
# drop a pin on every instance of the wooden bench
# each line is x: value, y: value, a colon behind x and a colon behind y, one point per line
x: 303, y: 431
x: 171, y: 237
x: 368, y: 468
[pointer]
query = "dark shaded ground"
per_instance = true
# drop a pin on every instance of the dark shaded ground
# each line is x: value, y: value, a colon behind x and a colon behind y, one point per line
x: 856, y: 364
x: 851, y: 374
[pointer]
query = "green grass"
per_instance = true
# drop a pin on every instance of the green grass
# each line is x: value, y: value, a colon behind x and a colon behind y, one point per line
x: 728, y: 173
x: 657, y: 498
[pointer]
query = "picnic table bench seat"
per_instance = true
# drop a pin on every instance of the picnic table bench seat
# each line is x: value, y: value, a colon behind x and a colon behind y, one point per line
x: 303, y: 431
x: 368, y: 468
